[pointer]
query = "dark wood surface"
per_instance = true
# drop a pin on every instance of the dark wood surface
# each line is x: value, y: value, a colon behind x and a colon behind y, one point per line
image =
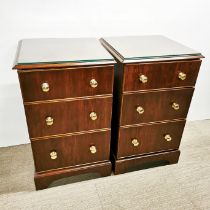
x: 71, y: 99
x: 69, y: 102
x: 160, y: 75
x: 156, y: 95
x: 69, y: 116
x: 116, y: 109
x: 66, y: 83
x: 145, y: 161
x: 43, y: 180
x: 71, y: 150
x: 157, y: 106
x: 150, y: 138
x: 47, y: 66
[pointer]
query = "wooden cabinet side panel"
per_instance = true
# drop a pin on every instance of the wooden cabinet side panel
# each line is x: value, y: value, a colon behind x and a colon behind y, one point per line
x: 116, y: 109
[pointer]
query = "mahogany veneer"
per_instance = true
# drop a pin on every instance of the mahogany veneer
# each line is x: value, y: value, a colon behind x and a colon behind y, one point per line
x: 74, y: 87
x: 145, y: 161
x: 157, y: 106
x: 153, y: 87
x: 69, y: 116
x: 71, y: 150
x: 151, y: 138
x: 43, y: 180
x: 67, y: 87
x: 161, y: 75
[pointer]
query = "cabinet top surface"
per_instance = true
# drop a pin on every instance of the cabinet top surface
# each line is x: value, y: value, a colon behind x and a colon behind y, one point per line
x: 73, y: 51
x: 153, y: 47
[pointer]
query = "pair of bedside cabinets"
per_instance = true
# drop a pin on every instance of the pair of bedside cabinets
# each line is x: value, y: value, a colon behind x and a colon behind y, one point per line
x: 90, y: 108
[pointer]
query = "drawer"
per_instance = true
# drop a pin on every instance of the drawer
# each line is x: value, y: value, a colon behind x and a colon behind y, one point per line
x: 71, y: 150
x: 69, y: 116
x: 149, y: 138
x: 68, y: 83
x: 160, y: 75
x: 155, y: 106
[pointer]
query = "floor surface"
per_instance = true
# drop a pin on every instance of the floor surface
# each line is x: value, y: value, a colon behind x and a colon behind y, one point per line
x: 183, y: 186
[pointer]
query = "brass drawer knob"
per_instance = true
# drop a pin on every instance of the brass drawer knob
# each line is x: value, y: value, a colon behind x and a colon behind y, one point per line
x: 93, y: 149
x: 93, y: 83
x: 175, y: 106
x: 140, y: 109
x: 49, y: 121
x: 45, y: 87
x: 53, y: 155
x: 135, y: 142
x: 167, y: 137
x: 182, y: 76
x: 93, y: 116
x: 143, y: 78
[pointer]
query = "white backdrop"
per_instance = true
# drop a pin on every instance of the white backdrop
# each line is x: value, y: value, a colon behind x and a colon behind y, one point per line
x: 186, y: 21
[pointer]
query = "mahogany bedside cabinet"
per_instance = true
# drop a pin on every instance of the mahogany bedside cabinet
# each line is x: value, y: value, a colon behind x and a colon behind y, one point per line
x: 67, y: 87
x: 153, y: 87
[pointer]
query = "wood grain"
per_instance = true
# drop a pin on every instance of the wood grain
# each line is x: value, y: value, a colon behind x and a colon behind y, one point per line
x: 150, y: 137
x: 160, y: 75
x: 66, y: 83
x: 157, y: 106
x: 163, y: 87
x: 69, y: 116
x: 145, y: 161
x: 43, y: 180
x: 71, y: 150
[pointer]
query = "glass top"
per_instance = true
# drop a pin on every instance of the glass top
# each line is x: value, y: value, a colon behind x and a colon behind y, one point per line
x: 148, y: 47
x: 57, y: 50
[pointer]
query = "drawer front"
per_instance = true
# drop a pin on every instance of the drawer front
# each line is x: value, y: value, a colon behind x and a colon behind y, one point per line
x: 71, y: 150
x: 155, y: 106
x: 69, y: 116
x: 160, y: 75
x: 58, y: 84
x: 149, y: 138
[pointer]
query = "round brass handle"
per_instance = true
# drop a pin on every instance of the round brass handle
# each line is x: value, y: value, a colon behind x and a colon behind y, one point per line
x: 93, y: 83
x: 93, y: 116
x: 140, y: 109
x: 143, y: 78
x: 93, y: 149
x: 167, y: 137
x: 135, y: 142
x: 182, y: 76
x: 53, y: 155
x: 175, y: 106
x: 45, y: 87
x: 49, y: 121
